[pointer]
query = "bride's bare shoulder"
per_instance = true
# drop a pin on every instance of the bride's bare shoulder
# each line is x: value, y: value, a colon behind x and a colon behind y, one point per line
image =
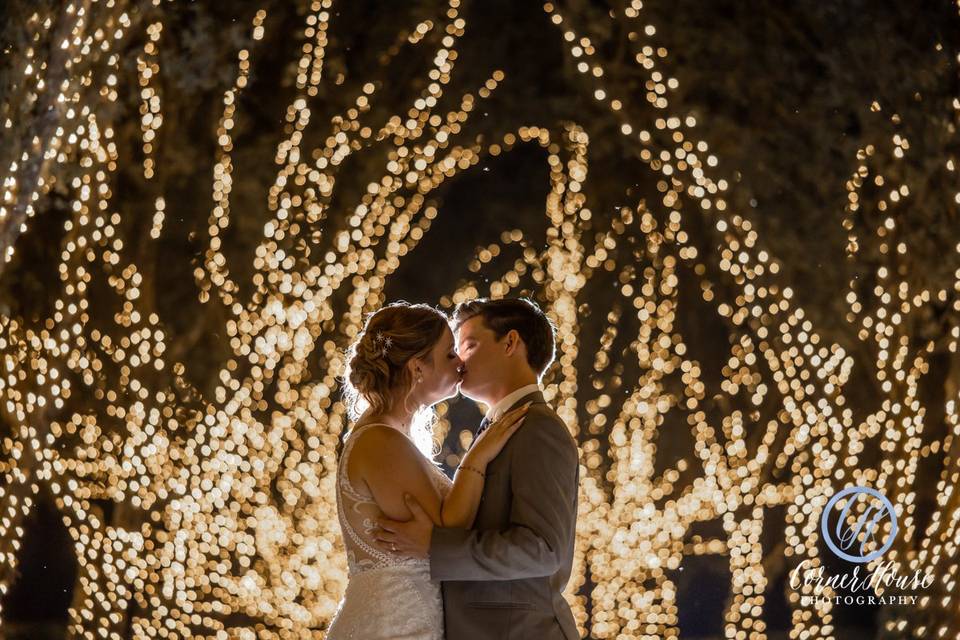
x: 378, y: 442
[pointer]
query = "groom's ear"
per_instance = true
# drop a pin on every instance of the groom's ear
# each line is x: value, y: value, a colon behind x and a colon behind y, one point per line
x: 513, y: 342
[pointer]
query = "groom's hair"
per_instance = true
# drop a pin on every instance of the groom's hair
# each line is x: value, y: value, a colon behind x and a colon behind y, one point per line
x: 521, y: 314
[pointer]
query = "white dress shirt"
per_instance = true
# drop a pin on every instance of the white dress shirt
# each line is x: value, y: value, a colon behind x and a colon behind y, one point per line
x: 497, y: 410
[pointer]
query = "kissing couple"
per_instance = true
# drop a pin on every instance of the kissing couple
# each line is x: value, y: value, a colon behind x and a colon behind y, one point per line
x: 488, y: 554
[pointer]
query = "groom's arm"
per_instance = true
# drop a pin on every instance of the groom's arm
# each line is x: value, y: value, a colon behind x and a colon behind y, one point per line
x: 543, y: 480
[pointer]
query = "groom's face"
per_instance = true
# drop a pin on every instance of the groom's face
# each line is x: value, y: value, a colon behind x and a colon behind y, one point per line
x: 483, y: 356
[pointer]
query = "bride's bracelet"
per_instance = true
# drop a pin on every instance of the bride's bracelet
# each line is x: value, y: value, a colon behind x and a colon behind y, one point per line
x: 469, y: 468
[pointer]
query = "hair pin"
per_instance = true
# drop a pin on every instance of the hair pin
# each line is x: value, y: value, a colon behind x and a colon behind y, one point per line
x: 386, y: 341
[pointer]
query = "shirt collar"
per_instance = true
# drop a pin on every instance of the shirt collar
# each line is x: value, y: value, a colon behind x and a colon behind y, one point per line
x: 507, y: 401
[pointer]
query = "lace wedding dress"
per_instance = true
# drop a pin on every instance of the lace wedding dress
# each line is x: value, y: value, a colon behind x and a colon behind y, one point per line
x: 388, y: 596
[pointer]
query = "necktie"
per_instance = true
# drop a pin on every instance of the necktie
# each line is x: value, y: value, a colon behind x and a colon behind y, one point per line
x: 483, y: 427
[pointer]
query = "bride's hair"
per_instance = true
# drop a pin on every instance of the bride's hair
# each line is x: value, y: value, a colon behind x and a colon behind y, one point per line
x: 377, y: 375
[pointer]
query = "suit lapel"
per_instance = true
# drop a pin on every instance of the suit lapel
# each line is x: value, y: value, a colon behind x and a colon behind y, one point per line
x: 502, y: 461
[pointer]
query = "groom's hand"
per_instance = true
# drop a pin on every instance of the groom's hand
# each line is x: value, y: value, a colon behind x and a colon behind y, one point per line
x: 410, y: 538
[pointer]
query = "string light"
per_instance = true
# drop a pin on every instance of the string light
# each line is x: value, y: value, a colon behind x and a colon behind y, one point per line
x: 823, y: 444
x: 214, y: 517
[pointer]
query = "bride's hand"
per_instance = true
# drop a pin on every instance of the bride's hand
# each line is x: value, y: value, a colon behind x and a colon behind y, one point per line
x: 493, y: 439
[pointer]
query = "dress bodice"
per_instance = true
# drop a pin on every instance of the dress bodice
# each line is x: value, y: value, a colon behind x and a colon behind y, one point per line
x: 358, y: 513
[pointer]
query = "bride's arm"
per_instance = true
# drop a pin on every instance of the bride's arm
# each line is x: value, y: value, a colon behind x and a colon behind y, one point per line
x: 460, y: 506
x: 392, y: 466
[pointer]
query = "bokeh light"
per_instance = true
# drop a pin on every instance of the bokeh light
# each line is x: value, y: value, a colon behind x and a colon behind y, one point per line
x: 199, y: 515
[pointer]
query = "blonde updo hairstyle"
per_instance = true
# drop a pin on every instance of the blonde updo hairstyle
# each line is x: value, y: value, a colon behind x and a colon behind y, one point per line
x: 377, y: 375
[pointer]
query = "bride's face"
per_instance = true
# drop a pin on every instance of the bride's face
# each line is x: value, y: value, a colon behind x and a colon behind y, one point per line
x: 441, y: 369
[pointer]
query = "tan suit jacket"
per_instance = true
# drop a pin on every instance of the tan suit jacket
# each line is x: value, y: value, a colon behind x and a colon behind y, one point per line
x: 504, y: 578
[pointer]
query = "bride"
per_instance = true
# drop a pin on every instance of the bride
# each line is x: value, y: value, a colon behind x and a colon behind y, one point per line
x: 402, y: 363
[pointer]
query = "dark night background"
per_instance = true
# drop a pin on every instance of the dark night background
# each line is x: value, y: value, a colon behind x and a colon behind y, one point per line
x: 781, y: 90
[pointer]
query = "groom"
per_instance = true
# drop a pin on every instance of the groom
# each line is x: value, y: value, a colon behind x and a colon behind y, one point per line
x: 505, y: 576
